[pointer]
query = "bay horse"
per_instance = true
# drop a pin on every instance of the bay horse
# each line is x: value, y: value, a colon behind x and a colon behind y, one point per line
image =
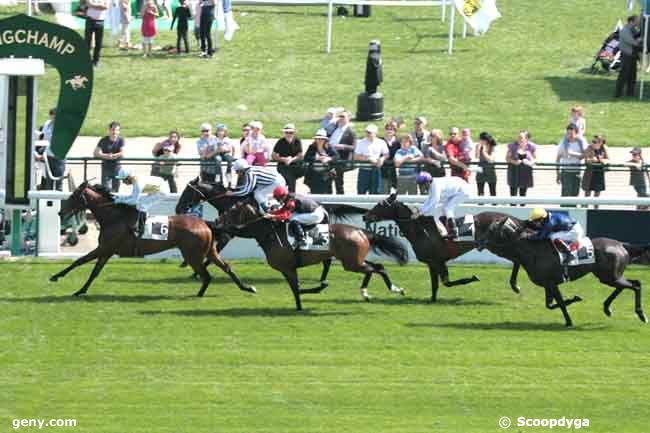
x: 428, y: 244
x: 347, y: 243
x: 193, y: 236
x: 542, y: 263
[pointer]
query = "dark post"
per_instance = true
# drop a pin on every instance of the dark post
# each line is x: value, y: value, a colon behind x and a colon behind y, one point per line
x: 370, y: 104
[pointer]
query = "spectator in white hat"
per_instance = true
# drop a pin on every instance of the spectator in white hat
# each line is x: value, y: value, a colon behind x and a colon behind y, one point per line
x: 205, y: 147
x: 372, y: 151
x: 288, y: 154
x: 319, y: 158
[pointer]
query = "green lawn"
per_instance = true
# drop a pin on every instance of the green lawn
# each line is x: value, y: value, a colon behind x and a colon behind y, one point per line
x: 141, y: 354
x: 526, y: 72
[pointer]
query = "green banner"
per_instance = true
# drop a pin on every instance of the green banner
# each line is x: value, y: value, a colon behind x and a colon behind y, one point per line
x: 22, y: 36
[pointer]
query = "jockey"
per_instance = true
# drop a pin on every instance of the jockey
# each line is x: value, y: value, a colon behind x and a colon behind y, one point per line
x: 261, y: 181
x: 559, y: 227
x: 445, y: 194
x: 154, y: 188
x: 299, y: 210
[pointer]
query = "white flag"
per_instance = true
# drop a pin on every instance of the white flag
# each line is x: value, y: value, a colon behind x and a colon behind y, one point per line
x: 479, y: 14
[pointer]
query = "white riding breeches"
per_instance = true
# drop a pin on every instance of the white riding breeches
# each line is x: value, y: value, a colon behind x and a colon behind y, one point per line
x: 449, y: 206
x: 145, y: 203
x: 311, y: 218
x: 262, y: 194
x: 575, y: 234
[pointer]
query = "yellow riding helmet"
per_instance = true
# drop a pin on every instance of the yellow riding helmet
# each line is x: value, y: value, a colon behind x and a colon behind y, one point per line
x: 538, y: 213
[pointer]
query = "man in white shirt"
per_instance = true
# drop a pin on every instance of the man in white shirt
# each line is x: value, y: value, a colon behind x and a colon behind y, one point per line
x: 146, y: 191
x: 373, y: 150
x: 445, y: 194
x: 570, y: 152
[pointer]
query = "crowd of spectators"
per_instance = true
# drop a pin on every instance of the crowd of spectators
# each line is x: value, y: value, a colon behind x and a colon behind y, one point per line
x: 383, y: 162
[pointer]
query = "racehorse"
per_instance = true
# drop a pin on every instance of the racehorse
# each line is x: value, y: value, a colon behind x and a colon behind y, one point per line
x: 428, y: 244
x: 542, y: 263
x: 347, y: 243
x: 193, y: 236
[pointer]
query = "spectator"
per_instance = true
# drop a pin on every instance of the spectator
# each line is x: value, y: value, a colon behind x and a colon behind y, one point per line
x: 485, y: 156
x: 197, y: 22
x: 328, y: 122
x: 421, y: 137
x: 319, y: 157
x: 206, y: 147
x: 223, y: 151
x: 165, y: 166
x: 374, y: 151
x: 405, y: 159
x: 466, y: 145
x: 521, y: 157
x: 125, y: 21
x: 205, y: 27
x: 456, y: 158
x: 433, y: 156
x: 638, y: 175
x: 596, y: 158
x: 343, y: 140
x: 288, y: 154
x: 183, y: 14
x: 577, y: 117
x: 245, y: 132
x: 570, y: 153
x: 95, y: 15
x: 111, y: 150
x: 388, y: 169
x: 629, y: 46
x: 255, y: 148
x: 149, y: 14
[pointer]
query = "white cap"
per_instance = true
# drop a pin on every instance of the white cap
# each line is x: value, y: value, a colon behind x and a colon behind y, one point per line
x: 372, y: 128
x: 240, y: 164
x: 256, y: 124
x: 332, y: 110
x: 123, y: 174
x: 289, y: 127
x: 321, y: 133
x: 206, y: 126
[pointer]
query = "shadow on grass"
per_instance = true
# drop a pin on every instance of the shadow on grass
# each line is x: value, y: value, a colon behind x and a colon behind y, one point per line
x: 401, y: 300
x: 591, y: 89
x: 90, y: 298
x: 219, y: 278
x: 249, y: 312
x: 511, y: 326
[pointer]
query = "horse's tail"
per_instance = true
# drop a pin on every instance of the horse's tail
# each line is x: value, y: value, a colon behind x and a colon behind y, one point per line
x: 391, y: 247
x: 637, y: 251
x: 343, y: 211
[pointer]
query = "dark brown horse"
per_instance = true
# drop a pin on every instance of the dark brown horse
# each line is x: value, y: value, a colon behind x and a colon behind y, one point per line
x: 347, y: 243
x: 542, y: 263
x: 193, y: 236
x: 429, y: 246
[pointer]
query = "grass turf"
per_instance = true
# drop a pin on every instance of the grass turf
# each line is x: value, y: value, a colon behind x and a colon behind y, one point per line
x: 141, y: 354
x: 527, y: 72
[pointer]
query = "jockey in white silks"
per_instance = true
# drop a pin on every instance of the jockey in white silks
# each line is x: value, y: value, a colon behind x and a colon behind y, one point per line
x: 261, y: 181
x: 146, y: 191
x: 445, y: 193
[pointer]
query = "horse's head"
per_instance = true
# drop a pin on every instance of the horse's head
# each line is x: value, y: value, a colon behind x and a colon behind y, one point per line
x: 83, y: 198
x: 239, y: 215
x: 388, y: 209
x: 196, y: 192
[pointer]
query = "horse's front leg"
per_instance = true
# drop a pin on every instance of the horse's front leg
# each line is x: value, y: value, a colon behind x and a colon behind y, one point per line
x: 513, y: 278
x: 101, y: 261
x: 80, y: 261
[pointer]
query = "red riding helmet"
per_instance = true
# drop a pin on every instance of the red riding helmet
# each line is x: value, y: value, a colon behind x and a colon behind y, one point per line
x: 280, y: 192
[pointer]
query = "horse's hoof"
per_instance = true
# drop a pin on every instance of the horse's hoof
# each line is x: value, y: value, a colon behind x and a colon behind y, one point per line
x: 607, y: 310
x: 78, y: 293
x: 54, y: 278
x: 401, y: 292
x: 433, y: 300
x: 324, y: 284
x: 475, y: 278
x: 200, y: 294
x: 252, y: 289
x: 577, y: 298
x: 568, y: 324
x: 515, y: 288
x: 642, y: 316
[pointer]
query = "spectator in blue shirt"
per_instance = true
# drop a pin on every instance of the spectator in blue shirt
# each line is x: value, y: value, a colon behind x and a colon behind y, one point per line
x: 409, y: 154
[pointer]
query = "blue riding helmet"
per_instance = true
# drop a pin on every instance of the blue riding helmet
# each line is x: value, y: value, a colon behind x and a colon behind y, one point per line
x: 423, y: 177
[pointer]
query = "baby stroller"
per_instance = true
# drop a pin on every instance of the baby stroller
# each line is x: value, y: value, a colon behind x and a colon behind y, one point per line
x: 609, y: 54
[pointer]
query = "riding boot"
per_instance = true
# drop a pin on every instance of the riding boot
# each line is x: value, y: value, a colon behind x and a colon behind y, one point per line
x: 562, y: 247
x: 298, y: 233
x: 452, y: 229
x: 142, y: 219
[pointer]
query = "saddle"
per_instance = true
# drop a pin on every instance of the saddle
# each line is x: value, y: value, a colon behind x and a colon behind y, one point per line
x: 317, y: 237
x: 581, y: 251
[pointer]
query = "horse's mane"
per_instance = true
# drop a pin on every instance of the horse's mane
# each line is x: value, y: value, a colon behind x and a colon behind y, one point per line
x: 103, y: 191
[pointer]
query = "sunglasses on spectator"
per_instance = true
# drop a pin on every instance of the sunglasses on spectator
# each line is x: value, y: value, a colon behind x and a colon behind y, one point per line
x: 288, y: 132
x: 452, y: 133
x: 205, y: 130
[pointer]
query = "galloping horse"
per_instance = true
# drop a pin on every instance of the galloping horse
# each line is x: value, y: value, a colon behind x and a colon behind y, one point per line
x: 541, y: 261
x: 347, y: 243
x: 193, y: 236
x: 429, y: 246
